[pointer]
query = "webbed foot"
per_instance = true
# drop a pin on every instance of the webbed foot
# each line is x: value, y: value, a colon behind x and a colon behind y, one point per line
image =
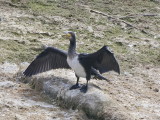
x: 84, y: 88
x: 76, y: 86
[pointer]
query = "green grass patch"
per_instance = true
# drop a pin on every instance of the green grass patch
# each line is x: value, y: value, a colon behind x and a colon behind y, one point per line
x: 17, y: 52
x: 149, y: 55
x: 41, y: 7
x: 88, y: 42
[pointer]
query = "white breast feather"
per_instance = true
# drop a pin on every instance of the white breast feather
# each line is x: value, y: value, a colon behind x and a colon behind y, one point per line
x: 76, y: 66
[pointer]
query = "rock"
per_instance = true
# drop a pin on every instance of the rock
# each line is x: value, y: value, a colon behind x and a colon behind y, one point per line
x: 9, y: 68
x: 128, y: 74
x: 156, y: 90
x: 95, y: 103
x: 23, y: 65
x: 90, y: 29
x: 7, y: 84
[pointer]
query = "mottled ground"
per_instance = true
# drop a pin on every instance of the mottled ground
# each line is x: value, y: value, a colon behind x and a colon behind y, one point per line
x: 23, y: 30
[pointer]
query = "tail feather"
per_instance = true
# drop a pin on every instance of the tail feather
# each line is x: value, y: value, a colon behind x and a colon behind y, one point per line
x: 100, y: 77
x: 96, y: 75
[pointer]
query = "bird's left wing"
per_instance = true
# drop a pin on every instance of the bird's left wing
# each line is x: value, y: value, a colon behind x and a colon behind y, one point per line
x: 50, y: 58
x: 103, y: 60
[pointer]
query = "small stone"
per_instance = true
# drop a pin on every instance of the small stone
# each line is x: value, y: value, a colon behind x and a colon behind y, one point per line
x: 44, y: 46
x: 90, y: 29
x: 9, y: 68
x: 156, y: 90
x: 7, y: 84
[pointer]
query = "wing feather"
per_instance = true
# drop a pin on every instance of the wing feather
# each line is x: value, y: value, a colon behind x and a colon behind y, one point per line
x: 50, y: 58
x: 104, y: 60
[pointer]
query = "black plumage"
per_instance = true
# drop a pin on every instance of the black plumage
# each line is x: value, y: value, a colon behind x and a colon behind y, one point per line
x: 50, y: 58
x: 104, y: 60
x: 84, y: 65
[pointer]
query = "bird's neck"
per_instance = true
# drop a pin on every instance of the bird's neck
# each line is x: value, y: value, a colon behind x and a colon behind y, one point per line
x: 72, y: 48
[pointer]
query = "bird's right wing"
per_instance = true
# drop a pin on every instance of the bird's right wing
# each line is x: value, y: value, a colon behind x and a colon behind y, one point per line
x: 50, y: 58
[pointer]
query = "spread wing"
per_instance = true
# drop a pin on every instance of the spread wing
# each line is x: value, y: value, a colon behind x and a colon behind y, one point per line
x: 104, y: 60
x: 50, y: 58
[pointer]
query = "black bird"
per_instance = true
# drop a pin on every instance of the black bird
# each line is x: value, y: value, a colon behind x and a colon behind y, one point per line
x: 84, y: 65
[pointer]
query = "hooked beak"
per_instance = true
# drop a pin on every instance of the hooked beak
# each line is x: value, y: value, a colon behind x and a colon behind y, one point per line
x: 66, y: 35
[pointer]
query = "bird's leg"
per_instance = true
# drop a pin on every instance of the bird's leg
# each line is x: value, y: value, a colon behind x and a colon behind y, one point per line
x: 84, y: 88
x: 76, y: 85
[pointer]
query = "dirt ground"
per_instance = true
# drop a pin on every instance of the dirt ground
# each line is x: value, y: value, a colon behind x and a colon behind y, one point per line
x: 137, y: 88
x: 18, y: 101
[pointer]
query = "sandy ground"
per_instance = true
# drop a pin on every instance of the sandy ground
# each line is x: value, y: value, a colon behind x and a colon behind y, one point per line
x: 138, y: 92
x: 19, y: 102
x: 136, y: 89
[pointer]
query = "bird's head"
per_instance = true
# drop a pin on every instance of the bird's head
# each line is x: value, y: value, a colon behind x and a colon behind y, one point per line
x: 69, y: 35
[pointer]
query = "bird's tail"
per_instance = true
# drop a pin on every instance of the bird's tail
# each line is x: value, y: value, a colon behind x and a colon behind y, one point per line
x: 97, y: 75
x: 100, y: 77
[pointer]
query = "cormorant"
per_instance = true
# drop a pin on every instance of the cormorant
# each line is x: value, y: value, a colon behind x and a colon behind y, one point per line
x: 84, y: 65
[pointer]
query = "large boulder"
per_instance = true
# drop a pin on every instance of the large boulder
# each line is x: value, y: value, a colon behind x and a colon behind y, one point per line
x: 95, y: 103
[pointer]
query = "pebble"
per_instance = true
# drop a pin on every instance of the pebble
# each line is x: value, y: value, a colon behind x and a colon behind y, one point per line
x: 7, y: 84
x: 156, y: 90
